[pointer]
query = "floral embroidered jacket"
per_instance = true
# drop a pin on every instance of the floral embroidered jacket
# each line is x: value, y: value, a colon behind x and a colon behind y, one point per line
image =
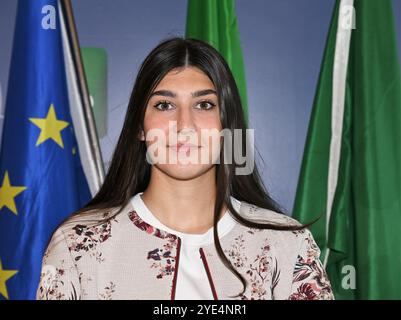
x: 126, y: 258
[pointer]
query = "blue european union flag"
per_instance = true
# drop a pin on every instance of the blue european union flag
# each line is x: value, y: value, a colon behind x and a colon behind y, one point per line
x: 41, y: 176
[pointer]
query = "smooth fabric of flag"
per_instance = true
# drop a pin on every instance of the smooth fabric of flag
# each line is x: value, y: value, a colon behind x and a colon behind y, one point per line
x: 215, y: 22
x: 42, y: 180
x: 95, y: 63
x: 351, y: 170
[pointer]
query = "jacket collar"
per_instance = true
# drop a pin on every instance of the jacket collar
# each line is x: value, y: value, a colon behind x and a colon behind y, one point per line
x: 162, y: 234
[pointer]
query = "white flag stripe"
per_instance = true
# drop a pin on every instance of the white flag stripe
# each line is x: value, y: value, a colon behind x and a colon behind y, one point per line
x: 340, y: 67
x: 77, y: 115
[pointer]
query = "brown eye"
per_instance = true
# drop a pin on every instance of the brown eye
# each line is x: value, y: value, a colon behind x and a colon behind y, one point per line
x: 163, y: 106
x: 205, y: 105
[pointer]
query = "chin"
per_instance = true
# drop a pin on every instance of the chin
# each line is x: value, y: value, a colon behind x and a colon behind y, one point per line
x: 184, y: 172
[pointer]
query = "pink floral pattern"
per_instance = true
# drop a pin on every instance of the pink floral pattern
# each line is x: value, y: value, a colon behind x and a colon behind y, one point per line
x: 51, y: 283
x: 86, y: 239
x: 136, y: 219
x: 163, y: 259
x: 108, y: 291
x: 263, y: 271
x: 236, y: 252
x: 310, y: 281
x: 257, y: 270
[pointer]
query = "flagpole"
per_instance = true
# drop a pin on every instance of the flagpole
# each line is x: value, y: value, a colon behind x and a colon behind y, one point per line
x: 71, y: 29
x: 340, y: 67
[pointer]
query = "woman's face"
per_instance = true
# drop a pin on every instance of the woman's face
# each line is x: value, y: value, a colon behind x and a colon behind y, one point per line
x: 182, y: 124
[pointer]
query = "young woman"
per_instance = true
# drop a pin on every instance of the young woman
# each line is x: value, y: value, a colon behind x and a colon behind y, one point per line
x: 164, y: 228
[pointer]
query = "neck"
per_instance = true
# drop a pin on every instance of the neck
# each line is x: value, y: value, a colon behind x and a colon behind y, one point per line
x: 183, y: 205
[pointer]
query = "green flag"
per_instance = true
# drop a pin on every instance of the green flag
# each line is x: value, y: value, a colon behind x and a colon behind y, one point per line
x: 215, y: 22
x: 95, y: 64
x: 351, y: 170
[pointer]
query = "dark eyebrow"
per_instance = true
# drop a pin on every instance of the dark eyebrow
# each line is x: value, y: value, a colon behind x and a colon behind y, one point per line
x: 203, y: 93
x: 168, y: 93
x: 164, y: 93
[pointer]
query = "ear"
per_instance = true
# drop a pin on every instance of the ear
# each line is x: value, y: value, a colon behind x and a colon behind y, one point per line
x: 142, y: 136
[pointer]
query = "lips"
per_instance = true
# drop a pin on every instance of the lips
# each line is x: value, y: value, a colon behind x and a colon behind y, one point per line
x: 184, y: 147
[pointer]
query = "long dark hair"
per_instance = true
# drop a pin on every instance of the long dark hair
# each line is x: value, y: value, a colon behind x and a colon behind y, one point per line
x: 129, y: 171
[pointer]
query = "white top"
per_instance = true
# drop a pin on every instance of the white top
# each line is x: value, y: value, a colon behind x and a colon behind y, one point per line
x: 192, y: 281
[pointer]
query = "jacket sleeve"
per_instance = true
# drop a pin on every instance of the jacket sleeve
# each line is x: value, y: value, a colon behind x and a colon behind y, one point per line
x: 310, y: 281
x: 59, y: 279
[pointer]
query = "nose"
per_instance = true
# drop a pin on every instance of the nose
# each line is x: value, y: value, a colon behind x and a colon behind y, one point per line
x: 185, y: 120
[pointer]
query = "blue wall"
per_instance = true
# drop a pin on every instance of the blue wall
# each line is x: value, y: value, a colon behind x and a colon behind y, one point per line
x: 283, y: 43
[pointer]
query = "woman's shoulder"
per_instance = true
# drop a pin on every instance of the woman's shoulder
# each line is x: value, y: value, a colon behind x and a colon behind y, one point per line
x: 294, y: 240
x: 87, y: 227
x: 254, y: 212
x: 289, y: 234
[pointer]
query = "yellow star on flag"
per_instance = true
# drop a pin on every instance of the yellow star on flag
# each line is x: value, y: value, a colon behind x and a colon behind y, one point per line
x: 8, y: 193
x: 50, y: 127
x: 4, y: 276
